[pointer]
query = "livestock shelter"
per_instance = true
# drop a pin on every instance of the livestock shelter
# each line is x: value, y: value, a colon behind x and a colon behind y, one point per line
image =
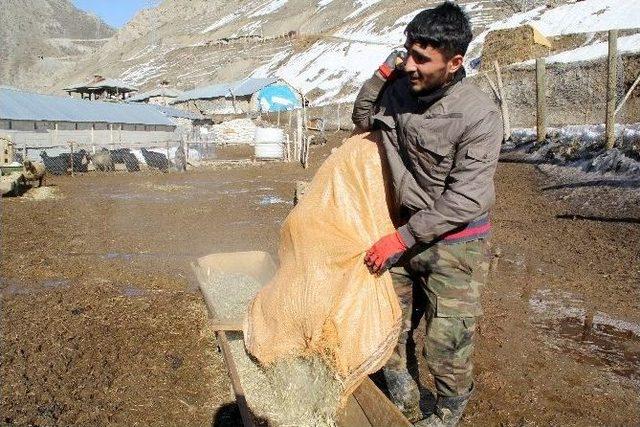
x: 244, y: 96
x: 160, y: 96
x: 102, y: 88
x: 38, y: 121
x: 186, y: 122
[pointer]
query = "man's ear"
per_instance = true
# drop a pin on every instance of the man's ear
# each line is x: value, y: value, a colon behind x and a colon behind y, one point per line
x: 455, y: 63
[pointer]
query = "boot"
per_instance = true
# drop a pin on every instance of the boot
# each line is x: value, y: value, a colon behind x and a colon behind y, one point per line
x: 447, y: 411
x: 404, y: 393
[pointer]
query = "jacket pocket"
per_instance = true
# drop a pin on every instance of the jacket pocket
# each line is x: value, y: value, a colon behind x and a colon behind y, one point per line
x: 434, y: 152
x: 482, y: 153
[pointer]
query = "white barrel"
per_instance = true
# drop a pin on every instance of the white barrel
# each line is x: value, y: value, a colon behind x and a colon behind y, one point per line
x: 269, y: 143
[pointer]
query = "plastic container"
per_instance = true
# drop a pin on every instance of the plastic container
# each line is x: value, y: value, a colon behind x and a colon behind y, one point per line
x: 269, y: 143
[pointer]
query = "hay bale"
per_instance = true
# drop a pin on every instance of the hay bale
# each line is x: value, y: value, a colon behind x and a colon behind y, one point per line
x: 511, y: 45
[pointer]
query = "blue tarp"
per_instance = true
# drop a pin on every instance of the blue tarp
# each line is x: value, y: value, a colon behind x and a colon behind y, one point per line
x: 277, y: 98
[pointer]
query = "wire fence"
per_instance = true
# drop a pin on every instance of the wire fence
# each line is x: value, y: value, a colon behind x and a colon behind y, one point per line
x: 72, y: 158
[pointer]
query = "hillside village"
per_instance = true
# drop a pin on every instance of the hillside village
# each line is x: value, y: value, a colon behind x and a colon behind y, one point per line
x: 132, y: 157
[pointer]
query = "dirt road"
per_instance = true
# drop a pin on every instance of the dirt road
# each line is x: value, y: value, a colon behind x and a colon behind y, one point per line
x: 102, y: 323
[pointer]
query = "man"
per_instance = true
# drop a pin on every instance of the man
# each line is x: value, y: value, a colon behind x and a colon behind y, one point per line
x: 441, y: 138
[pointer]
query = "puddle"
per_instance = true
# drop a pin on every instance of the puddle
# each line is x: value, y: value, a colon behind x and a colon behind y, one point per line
x: 133, y: 292
x: 55, y: 283
x: 16, y: 287
x: 116, y: 255
x: 591, y: 337
x: 271, y: 200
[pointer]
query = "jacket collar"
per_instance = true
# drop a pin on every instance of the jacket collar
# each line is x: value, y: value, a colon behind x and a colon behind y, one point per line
x: 429, y: 98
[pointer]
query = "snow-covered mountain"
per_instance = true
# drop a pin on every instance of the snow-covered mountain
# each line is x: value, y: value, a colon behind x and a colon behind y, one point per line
x: 336, y: 44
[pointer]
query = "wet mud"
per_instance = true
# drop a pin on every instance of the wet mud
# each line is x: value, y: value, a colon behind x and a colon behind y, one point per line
x: 102, y: 322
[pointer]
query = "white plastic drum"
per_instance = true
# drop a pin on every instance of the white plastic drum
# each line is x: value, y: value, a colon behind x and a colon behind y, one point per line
x: 269, y: 143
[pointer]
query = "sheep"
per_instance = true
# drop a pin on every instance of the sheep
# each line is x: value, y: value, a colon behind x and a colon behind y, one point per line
x: 33, y: 171
x: 57, y: 165
x: 131, y: 162
x: 102, y: 161
x: 155, y: 160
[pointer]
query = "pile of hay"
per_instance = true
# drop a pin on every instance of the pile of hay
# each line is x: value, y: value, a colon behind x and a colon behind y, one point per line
x: 512, y: 45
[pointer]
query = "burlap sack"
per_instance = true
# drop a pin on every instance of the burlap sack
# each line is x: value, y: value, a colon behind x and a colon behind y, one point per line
x: 323, y: 300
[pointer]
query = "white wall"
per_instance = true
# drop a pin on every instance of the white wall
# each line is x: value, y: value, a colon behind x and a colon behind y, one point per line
x: 87, y: 137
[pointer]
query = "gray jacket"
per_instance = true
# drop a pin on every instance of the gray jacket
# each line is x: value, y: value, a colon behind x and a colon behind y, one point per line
x: 441, y: 154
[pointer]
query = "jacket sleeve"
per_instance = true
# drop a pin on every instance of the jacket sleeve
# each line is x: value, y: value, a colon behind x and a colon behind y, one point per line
x: 365, y: 104
x: 470, y: 190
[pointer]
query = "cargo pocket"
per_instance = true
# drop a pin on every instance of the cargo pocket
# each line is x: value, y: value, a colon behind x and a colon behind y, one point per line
x: 452, y: 283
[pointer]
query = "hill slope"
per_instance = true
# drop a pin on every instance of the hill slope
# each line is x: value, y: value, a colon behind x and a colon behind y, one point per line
x: 197, y: 42
x: 40, y: 38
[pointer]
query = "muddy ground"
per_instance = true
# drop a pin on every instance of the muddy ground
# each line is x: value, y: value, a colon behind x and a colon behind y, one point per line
x: 102, y: 322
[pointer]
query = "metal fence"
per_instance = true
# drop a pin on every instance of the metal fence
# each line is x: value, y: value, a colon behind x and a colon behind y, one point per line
x: 72, y: 157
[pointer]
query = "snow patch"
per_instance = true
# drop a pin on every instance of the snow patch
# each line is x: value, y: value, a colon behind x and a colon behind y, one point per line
x: 628, y: 44
x: 362, y: 6
x: 269, y: 7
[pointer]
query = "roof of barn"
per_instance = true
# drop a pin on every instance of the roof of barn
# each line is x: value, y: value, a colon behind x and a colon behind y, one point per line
x: 16, y: 104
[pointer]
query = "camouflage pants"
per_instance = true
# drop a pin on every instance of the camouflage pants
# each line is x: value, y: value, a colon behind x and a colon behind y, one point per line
x: 442, y: 283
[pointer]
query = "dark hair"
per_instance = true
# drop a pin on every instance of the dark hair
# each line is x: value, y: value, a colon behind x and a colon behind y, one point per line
x: 445, y: 27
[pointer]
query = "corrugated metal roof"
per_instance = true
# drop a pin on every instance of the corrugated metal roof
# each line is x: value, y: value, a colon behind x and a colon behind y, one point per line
x: 176, y: 112
x: 161, y: 91
x: 16, y: 104
x: 106, y: 83
x: 245, y: 87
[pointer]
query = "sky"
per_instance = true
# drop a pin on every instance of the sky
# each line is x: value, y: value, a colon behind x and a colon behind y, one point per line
x: 114, y: 12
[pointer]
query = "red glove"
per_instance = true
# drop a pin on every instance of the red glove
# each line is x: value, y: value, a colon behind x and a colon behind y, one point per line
x: 385, y: 252
x: 394, y: 61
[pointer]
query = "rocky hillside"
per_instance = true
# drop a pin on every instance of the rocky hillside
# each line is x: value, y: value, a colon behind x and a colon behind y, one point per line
x: 42, y: 38
x: 196, y: 42
x: 325, y: 48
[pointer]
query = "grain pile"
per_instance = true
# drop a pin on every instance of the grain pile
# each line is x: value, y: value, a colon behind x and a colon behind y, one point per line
x: 294, y: 391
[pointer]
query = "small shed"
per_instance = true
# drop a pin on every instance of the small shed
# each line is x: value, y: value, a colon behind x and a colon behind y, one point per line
x: 511, y: 45
x: 248, y: 95
x: 102, y: 88
x: 162, y: 95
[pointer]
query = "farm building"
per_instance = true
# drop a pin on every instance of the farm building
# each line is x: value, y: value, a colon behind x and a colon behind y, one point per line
x: 162, y: 95
x: 36, y: 120
x: 244, y: 96
x: 186, y: 122
x: 101, y: 88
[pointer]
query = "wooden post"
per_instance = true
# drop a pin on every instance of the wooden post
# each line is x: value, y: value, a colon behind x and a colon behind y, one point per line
x: 288, y: 149
x: 299, y: 133
x: 541, y: 115
x: 627, y: 95
x: 290, y: 117
x: 503, y: 102
x: 71, y: 149
x: 338, y: 113
x: 612, y: 80
x: 24, y: 151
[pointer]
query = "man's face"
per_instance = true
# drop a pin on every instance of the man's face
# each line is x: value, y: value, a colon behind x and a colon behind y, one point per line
x: 428, y: 68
